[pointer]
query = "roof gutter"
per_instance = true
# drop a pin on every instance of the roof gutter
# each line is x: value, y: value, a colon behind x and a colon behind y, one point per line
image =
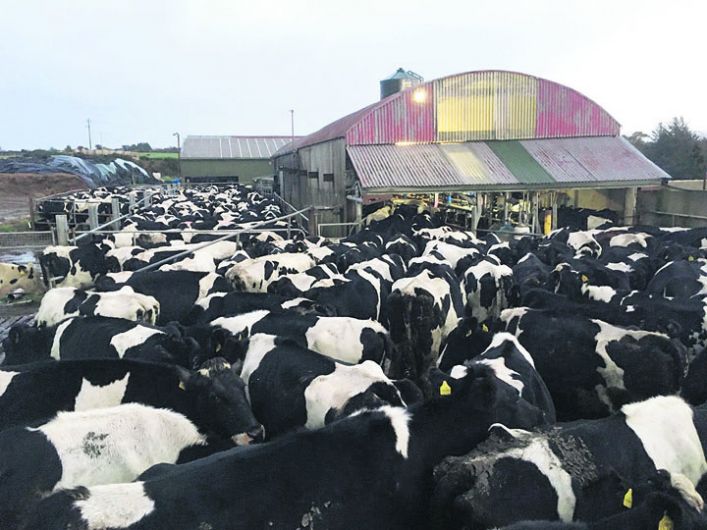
x: 618, y: 184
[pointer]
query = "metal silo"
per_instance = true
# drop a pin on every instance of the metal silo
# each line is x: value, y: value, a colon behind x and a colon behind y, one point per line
x: 400, y: 80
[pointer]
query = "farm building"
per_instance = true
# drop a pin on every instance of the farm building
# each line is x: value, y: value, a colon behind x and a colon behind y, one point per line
x: 229, y: 158
x: 500, y: 139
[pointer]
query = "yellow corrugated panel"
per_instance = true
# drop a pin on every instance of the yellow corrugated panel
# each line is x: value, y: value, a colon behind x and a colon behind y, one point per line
x: 466, y: 162
x: 465, y: 107
x: 515, y: 106
x: 486, y: 106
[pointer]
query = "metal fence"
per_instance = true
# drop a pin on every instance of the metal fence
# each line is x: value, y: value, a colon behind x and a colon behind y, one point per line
x: 235, y: 234
x: 337, y: 229
x: 26, y: 240
x: 674, y: 217
x: 286, y: 208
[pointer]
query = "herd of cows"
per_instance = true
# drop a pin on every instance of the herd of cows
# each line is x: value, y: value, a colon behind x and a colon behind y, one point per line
x: 408, y: 376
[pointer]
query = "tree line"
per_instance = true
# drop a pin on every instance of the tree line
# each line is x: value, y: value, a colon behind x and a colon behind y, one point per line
x: 679, y: 151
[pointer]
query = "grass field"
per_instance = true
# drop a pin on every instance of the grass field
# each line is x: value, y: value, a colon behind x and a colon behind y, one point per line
x: 18, y: 225
x: 159, y: 155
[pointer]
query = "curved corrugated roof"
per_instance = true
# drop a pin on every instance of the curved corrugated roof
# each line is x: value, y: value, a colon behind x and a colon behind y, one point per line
x: 471, y: 106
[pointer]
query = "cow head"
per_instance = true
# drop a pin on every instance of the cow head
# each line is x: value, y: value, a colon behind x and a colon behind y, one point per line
x: 27, y: 344
x: 221, y: 404
x: 54, y: 266
x: 474, y: 402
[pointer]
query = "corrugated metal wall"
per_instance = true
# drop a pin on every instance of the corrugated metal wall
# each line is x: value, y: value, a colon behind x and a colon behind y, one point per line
x: 318, y: 179
x: 406, y: 118
x: 487, y: 105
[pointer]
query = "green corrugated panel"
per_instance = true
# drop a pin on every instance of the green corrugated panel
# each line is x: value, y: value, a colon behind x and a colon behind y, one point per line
x: 523, y: 166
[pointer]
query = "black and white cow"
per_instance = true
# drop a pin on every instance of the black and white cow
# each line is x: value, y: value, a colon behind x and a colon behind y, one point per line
x: 661, y: 510
x: 451, y: 253
x: 61, y: 303
x: 290, y: 386
x: 680, y: 279
x: 513, y: 365
x: 424, y: 308
x: 99, y: 446
x: 488, y: 287
x: 386, y: 456
x: 403, y: 246
x: 345, y: 339
x: 72, y: 266
x: 293, y: 285
x: 213, y: 397
x: 591, y: 367
x: 529, y: 272
x: 363, y: 296
x: 99, y: 338
x: 218, y: 305
x: 389, y: 267
x: 467, y: 341
x: 558, y: 474
x: 256, y: 274
x: 176, y: 291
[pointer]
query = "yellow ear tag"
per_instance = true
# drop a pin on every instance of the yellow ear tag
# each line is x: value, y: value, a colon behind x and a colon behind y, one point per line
x: 218, y: 348
x: 445, y: 389
x: 628, y: 498
x: 584, y: 278
x: 666, y: 523
x: 691, y: 258
x: 181, y: 386
x: 484, y: 328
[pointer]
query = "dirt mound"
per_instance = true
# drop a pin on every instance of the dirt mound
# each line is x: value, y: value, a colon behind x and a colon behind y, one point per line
x: 17, y: 188
x: 38, y: 185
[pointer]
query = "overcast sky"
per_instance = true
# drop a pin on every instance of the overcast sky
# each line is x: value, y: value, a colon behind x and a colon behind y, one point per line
x: 143, y: 69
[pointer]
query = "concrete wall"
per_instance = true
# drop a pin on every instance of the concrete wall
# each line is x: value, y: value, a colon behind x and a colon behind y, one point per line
x: 598, y: 199
x: 245, y: 169
x: 689, y: 205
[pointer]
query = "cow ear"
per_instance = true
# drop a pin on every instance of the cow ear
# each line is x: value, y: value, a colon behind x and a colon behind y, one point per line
x: 183, y: 375
x: 409, y: 391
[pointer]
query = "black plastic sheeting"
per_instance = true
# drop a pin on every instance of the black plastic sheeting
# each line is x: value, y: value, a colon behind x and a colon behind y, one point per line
x: 94, y: 174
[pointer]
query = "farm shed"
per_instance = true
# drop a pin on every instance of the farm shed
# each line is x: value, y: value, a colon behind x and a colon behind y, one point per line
x: 479, y: 133
x: 229, y: 158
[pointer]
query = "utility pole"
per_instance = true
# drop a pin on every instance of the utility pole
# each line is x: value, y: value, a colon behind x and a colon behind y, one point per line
x: 179, y: 154
x: 292, y: 124
x: 88, y: 126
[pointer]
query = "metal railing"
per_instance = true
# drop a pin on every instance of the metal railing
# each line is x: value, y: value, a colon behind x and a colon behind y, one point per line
x: 234, y: 233
x: 115, y: 220
x: 26, y: 240
x: 287, y: 207
x: 350, y: 227
x: 680, y: 215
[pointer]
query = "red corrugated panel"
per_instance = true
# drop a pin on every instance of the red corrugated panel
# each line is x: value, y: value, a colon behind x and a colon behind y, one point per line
x: 556, y: 160
x: 564, y: 112
x: 405, y: 117
x: 612, y: 159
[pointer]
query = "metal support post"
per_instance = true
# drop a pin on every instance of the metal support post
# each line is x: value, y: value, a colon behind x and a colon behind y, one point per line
x: 115, y: 213
x: 93, y: 216
x: 554, y: 211
x: 62, y: 230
